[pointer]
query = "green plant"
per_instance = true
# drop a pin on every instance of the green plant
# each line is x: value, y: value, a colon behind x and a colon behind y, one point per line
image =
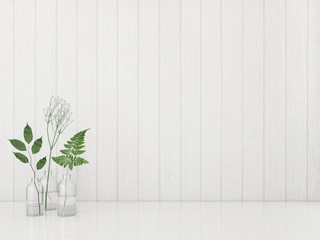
x: 70, y: 158
x: 58, y: 116
x: 36, y: 146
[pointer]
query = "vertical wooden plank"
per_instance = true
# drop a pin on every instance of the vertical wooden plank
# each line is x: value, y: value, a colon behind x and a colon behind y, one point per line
x: 107, y: 101
x: 313, y: 100
x: 231, y: 99
x: 7, y: 99
x: 127, y: 100
x: 211, y: 100
x: 24, y: 76
x: 296, y: 100
x: 66, y: 69
x: 275, y: 106
x: 190, y: 101
x: 169, y: 100
x: 148, y: 100
x: 86, y: 95
x: 252, y: 100
x: 45, y: 74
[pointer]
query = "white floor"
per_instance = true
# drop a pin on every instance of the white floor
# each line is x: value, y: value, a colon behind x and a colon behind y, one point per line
x: 149, y: 221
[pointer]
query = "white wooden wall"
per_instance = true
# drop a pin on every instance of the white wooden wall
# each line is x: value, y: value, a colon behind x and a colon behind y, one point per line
x: 186, y: 99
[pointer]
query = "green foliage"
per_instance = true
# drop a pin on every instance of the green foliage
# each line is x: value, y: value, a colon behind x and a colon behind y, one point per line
x: 80, y: 161
x: 21, y: 157
x: 28, y: 136
x: 61, y: 160
x: 70, y: 157
x: 21, y: 146
x: 41, y: 163
x: 18, y: 144
x: 36, y: 146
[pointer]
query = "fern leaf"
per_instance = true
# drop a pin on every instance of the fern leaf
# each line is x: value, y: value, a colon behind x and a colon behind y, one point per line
x: 79, y: 161
x: 61, y: 160
x: 72, y: 151
x: 79, y: 152
x: 65, y: 151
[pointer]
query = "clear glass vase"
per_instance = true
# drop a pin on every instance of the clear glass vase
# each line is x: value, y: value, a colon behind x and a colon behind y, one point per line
x: 34, y: 198
x: 50, y: 199
x: 66, y: 197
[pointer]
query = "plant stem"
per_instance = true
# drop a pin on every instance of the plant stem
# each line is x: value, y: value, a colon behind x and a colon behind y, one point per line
x: 34, y: 180
x: 51, y: 145
x: 65, y: 192
x: 46, y: 193
x: 47, y: 184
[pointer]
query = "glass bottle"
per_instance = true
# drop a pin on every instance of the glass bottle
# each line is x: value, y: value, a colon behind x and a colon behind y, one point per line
x: 66, y: 197
x: 52, y: 191
x: 34, y: 198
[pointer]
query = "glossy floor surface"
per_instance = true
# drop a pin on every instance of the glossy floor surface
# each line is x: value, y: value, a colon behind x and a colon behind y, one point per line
x: 154, y: 221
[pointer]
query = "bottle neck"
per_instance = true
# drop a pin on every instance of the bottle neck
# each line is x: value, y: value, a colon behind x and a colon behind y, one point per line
x: 46, y: 172
x: 33, y: 180
x: 65, y: 176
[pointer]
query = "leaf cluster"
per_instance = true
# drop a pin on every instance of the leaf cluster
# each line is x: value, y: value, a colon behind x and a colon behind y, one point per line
x: 21, y: 146
x: 73, y: 149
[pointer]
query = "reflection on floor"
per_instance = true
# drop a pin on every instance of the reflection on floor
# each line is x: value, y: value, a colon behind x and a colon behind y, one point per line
x: 154, y: 221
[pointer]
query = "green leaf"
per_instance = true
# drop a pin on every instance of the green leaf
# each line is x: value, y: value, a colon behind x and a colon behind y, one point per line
x: 79, y: 152
x: 78, y: 139
x: 21, y: 157
x: 65, y: 151
x: 61, y: 160
x: 79, y: 161
x: 70, y: 154
x: 41, y: 163
x: 78, y: 147
x: 57, y: 159
x: 18, y: 144
x: 36, y: 146
x: 28, y: 136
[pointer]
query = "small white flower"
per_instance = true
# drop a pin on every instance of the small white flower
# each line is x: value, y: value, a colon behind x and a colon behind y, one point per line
x: 58, y: 114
